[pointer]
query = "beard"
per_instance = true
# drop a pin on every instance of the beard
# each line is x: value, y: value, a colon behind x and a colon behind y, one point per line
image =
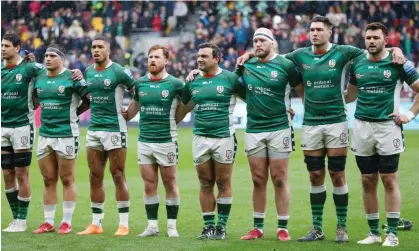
x: 375, y: 50
x: 154, y: 69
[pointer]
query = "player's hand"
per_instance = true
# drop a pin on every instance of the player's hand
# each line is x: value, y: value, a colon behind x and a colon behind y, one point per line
x: 191, y: 75
x: 398, y: 57
x: 242, y: 59
x: 400, y: 118
x: 292, y: 113
x: 125, y: 115
x: 76, y: 74
x: 29, y: 57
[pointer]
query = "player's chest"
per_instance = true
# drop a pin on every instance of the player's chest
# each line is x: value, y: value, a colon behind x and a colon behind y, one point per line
x: 326, y: 66
x: 211, y: 91
x: 54, y: 89
x: 367, y: 73
x: 14, y: 79
x: 101, y: 81
x: 271, y: 78
x: 153, y: 94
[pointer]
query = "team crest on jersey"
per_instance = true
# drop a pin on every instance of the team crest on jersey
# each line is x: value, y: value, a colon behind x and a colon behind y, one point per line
x: 358, y: 76
x: 396, y: 143
x: 387, y: 73
x: 107, y: 82
x: 229, y: 154
x: 114, y: 139
x: 69, y: 149
x: 343, y: 138
x: 220, y: 89
x: 305, y: 67
x: 165, y: 93
x: 332, y: 63
x: 61, y: 88
x: 18, y: 77
x: 250, y: 87
x: 142, y: 108
x: 274, y: 74
x: 194, y: 92
x: 286, y: 141
x: 24, y: 140
x: 171, y: 157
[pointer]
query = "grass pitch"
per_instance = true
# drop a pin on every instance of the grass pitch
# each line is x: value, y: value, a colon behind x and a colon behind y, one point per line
x: 190, y: 221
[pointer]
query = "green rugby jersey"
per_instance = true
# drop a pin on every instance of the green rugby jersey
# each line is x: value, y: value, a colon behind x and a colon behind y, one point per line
x: 158, y: 101
x: 324, y: 82
x: 214, y: 99
x: 378, y: 86
x: 268, y: 85
x: 106, y: 88
x: 59, y: 98
x: 16, y: 93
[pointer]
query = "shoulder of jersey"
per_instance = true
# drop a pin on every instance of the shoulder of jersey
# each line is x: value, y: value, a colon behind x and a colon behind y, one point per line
x: 90, y: 67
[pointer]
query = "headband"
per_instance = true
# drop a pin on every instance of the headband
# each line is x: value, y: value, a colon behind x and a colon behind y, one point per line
x: 263, y: 35
x: 56, y: 51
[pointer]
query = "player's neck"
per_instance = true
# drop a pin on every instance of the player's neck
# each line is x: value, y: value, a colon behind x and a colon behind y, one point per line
x: 158, y: 76
x: 211, y: 72
x: 321, y: 49
x: 377, y: 57
x: 267, y: 57
x: 55, y: 72
x: 12, y: 62
x: 102, y: 65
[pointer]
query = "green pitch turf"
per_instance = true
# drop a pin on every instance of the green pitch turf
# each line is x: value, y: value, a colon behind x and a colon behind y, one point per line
x: 190, y: 221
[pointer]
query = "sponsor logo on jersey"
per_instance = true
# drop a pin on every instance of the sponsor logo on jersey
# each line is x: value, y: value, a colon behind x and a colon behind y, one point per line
x: 305, y: 67
x: 61, y: 88
x: 114, y: 139
x: 171, y: 157
x: 308, y: 83
x: 142, y: 108
x: 165, y: 93
x: 274, y: 74
x: 107, y: 82
x: 396, y: 143
x: 343, y: 138
x: 24, y: 140
x: 358, y: 76
x: 387, y: 73
x: 69, y: 150
x: 332, y: 63
x: 250, y: 86
x: 286, y: 142
x: 18, y: 77
x: 229, y: 154
x: 220, y: 89
x: 207, y: 82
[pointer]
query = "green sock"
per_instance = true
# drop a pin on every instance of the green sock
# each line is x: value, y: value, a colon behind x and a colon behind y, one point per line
x: 152, y: 207
x: 209, y: 218
x: 172, y: 208
x: 23, y: 208
x: 317, y: 200
x: 11, y: 195
x: 224, y: 206
x: 283, y: 221
x: 392, y: 222
x: 341, y: 197
x: 258, y: 220
x: 373, y: 223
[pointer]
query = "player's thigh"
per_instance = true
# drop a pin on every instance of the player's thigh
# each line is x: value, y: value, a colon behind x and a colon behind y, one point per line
x: 312, y: 137
x: 45, y: 147
x: 281, y: 141
x: 149, y: 173
x: 117, y: 158
x: 5, y: 138
x: 201, y: 147
x: 224, y: 150
x: 206, y: 172
x: 388, y: 164
x: 255, y: 144
x: 363, y: 140
x: 114, y: 140
x: 96, y: 160
x: 389, y: 137
x: 48, y: 165
x: 223, y: 171
x: 278, y: 165
x: 337, y: 135
x: 7, y: 164
x: 66, y: 168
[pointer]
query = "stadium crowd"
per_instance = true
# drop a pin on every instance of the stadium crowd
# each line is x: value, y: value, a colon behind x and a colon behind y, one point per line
x: 227, y: 23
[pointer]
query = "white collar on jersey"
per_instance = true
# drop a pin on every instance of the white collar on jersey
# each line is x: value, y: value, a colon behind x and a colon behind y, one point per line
x: 328, y: 47
x: 218, y: 72
x: 273, y: 56
x: 165, y: 76
x: 385, y: 55
x: 109, y: 64
x: 18, y: 62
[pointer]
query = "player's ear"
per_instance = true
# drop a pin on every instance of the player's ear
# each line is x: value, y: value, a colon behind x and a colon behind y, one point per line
x: 385, y: 40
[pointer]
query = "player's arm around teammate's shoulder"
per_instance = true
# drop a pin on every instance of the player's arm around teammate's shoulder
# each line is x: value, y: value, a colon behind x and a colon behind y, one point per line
x: 134, y: 106
x: 186, y: 105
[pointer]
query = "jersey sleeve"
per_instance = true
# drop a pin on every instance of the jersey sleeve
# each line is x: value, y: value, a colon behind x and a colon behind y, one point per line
x: 37, y: 69
x: 239, y: 70
x: 352, y: 77
x: 137, y: 90
x: 127, y: 78
x: 185, y: 96
x: 180, y: 85
x: 294, y: 74
x: 350, y: 52
x: 238, y: 88
x: 409, y: 73
x: 81, y: 87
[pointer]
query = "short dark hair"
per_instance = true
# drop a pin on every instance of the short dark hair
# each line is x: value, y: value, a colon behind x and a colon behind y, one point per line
x: 101, y: 37
x: 216, y: 52
x: 322, y: 19
x: 14, y: 38
x: 159, y: 47
x: 58, y: 47
x: 377, y: 26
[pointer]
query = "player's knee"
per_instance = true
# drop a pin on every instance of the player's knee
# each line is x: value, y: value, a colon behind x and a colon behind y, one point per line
x: 50, y: 181
x: 67, y: 180
x: 7, y: 161
x: 22, y: 159
x: 338, y: 178
x: 336, y: 163
x: 22, y: 175
x: 389, y: 182
x: 314, y: 163
x: 280, y: 182
x: 206, y: 185
x: 96, y: 178
x: 9, y: 176
x: 367, y: 164
x: 369, y: 182
x: 223, y: 184
x: 259, y: 180
x: 118, y: 178
x: 317, y: 178
x: 388, y: 163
